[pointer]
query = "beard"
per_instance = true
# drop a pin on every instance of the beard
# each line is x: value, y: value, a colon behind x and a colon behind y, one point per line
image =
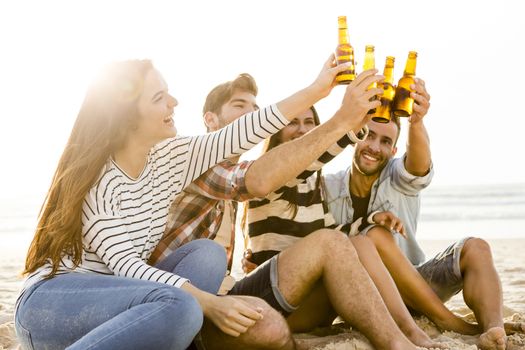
x: 369, y: 170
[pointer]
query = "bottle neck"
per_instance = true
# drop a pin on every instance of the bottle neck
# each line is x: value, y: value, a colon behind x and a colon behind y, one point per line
x: 343, y: 36
x: 389, y: 74
x: 410, y: 68
x: 370, y: 61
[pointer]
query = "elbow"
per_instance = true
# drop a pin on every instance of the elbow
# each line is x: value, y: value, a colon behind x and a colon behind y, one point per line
x: 258, y: 188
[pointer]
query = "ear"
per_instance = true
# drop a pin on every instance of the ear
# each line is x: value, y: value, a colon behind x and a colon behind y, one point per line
x: 394, y: 151
x: 211, y: 120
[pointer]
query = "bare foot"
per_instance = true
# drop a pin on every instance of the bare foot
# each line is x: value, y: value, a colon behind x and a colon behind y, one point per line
x: 493, y: 339
x: 420, y: 338
x: 514, y: 327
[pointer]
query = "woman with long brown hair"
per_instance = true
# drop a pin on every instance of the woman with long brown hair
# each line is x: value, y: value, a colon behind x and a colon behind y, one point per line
x: 88, y: 284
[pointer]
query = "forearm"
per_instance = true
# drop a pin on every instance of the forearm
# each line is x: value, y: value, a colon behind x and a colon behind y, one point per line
x: 418, y: 158
x: 204, y: 298
x: 292, y: 106
x: 275, y: 168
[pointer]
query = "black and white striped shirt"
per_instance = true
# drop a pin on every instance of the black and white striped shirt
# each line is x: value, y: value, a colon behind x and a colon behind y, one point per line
x: 271, y: 224
x: 123, y: 218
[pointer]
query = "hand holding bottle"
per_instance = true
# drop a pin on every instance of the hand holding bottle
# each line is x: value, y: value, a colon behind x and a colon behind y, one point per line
x: 326, y: 80
x: 357, y: 101
x: 421, y: 100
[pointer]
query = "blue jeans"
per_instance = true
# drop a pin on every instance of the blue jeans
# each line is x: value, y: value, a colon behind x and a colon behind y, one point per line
x: 92, y: 311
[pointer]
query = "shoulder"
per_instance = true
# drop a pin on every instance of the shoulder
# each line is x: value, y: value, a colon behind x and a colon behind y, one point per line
x: 335, y: 184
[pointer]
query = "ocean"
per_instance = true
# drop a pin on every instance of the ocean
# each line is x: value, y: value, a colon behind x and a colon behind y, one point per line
x: 486, y: 211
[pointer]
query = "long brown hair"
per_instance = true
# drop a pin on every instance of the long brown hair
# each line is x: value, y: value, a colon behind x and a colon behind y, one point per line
x: 108, y: 113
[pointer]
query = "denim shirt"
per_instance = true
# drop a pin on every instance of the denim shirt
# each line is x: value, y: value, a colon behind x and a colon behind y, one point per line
x: 395, y: 190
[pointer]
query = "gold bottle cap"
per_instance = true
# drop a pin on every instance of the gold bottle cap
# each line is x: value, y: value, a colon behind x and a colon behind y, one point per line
x: 341, y: 20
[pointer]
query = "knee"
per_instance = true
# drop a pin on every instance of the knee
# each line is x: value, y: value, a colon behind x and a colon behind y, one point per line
x: 181, y: 314
x: 272, y: 332
x: 214, y: 252
x: 381, y: 238
x: 333, y: 243
x: 476, y: 249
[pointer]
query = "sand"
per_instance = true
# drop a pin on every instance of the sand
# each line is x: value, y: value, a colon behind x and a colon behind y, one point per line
x: 509, y: 258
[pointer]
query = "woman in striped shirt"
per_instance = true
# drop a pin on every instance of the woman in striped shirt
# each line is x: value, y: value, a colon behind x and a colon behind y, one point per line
x: 88, y: 283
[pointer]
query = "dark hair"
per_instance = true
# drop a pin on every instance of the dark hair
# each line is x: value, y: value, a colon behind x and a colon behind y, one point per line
x: 107, y: 115
x: 222, y: 93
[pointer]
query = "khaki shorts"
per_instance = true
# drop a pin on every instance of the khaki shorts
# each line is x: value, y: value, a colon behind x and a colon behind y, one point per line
x: 443, y: 272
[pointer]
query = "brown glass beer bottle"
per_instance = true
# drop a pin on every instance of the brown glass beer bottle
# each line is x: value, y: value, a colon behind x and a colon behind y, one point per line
x: 403, y: 103
x: 344, y: 53
x: 370, y: 63
x: 383, y: 111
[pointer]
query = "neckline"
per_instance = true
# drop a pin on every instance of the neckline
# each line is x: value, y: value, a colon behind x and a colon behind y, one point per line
x: 126, y: 174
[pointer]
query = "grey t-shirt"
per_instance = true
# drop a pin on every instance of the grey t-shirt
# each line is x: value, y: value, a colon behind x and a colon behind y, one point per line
x: 395, y: 190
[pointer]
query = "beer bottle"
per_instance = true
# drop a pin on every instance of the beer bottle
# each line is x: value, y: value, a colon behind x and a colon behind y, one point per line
x: 344, y: 53
x: 403, y: 103
x: 383, y: 111
x: 370, y: 63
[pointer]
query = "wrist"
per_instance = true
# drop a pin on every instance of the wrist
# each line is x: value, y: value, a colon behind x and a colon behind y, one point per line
x: 370, y: 218
x: 316, y: 91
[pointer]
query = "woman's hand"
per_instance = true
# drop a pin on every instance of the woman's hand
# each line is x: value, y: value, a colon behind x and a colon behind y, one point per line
x: 232, y: 315
x: 325, y: 81
x: 389, y: 221
x: 247, y: 265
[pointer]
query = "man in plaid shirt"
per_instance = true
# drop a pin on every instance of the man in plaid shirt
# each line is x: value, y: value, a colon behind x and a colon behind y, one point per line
x: 207, y: 208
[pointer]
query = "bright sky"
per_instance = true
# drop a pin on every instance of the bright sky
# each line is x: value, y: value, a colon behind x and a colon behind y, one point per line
x: 470, y: 55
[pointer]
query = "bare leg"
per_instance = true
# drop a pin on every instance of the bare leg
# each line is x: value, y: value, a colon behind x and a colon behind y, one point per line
x: 387, y: 288
x: 329, y: 256
x: 271, y: 332
x: 413, y: 288
x: 482, y: 292
x: 314, y: 311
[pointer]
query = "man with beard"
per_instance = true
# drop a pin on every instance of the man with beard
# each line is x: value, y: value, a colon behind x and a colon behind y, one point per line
x: 376, y: 181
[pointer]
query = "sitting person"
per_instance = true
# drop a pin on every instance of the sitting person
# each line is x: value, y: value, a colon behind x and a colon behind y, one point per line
x: 378, y: 181
x: 88, y: 283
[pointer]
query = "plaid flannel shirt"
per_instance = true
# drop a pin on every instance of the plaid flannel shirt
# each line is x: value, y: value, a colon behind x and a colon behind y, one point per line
x: 198, y: 211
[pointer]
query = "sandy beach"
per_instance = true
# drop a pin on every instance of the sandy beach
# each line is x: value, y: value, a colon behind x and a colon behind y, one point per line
x: 508, y: 256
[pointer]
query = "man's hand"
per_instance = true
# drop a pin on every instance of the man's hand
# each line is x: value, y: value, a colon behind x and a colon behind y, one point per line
x: 389, y: 221
x: 421, y: 101
x: 247, y: 265
x: 232, y: 315
x: 352, y: 115
x: 325, y: 81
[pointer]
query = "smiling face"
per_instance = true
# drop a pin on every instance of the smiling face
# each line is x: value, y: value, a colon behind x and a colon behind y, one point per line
x: 156, y: 107
x: 372, y: 154
x: 298, y: 127
x: 240, y: 103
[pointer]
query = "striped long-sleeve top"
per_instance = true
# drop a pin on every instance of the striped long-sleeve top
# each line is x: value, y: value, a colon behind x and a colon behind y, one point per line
x: 123, y: 219
x: 271, y: 224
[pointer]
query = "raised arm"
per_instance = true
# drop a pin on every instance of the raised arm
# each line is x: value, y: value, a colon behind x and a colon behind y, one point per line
x: 207, y: 150
x: 275, y: 168
x: 418, y: 158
